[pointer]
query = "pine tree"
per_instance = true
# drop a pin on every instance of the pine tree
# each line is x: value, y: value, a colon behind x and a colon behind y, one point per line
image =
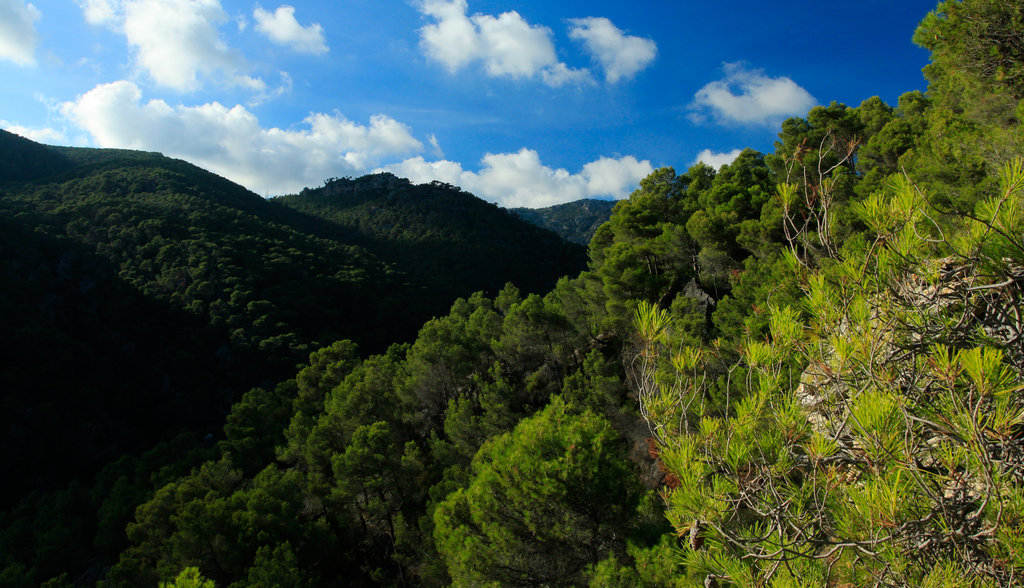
x: 878, y: 438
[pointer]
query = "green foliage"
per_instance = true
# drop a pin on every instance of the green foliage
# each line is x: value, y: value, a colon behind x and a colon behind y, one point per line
x: 189, y: 578
x: 977, y: 53
x: 892, y: 133
x: 142, y: 296
x: 811, y: 358
x: 892, y: 451
x: 276, y: 567
x: 643, y: 252
x: 652, y: 567
x: 103, y: 248
x: 976, y: 80
x: 575, y: 222
x: 372, y: 449
x: 683, y: 235
x: 255, y: 426
x: 100, y: 255
x: 439, y: 238
x: 46, y: 534
x: 26, y: 160
x: 545, y: 502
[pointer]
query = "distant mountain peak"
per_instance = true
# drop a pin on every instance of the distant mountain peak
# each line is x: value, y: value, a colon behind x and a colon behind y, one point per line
x: 573, y: 221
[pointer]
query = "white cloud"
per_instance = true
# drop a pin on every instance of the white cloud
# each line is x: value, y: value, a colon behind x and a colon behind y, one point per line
x: 506, y: 44
x: 18, y: 37
x: 43, y: 135
x: 561, y: 74
x: 520, y: 179
x: 421, y: 171
x: 717, y: 160
x: 436, y: 145
x: 453, y: 40
x: 281, y: 27
x: 178, y: 42
x: 514, y: 48
x: 102, y: 12
x: 231, y: 142
x: 621, y: 56
x: 615, y: 177
x: 748, y: 96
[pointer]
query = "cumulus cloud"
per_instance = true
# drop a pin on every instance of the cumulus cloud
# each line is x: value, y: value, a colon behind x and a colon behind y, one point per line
x: 231, y: 142
x: 616, y: 177
x: 281, y: 27
x: 717, y: 160
x: 43, y: 135
x: 102, y: 12
x: 520, y: 179
x: 621, y: 56
x: 748, y: 96
x: 18, y: 37
x: 178, y: 42
x: 506, y: 44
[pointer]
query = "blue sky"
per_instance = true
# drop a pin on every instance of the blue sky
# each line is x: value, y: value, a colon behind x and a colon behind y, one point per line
x: 523, y: 103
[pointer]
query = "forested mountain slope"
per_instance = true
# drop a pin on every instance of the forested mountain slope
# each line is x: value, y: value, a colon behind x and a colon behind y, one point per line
x: 142, y: 295
x: 574, y: 221
x: 802, y: 368
x: 440, y: 237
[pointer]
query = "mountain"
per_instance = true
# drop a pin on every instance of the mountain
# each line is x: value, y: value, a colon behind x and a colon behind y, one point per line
x: 141, y: 295
x: 575, y: 222
x: 768, y: 374
x: 440, y: 237
x: 25, y: 160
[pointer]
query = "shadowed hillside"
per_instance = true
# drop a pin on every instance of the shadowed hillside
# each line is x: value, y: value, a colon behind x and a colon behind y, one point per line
x: 142, y: 295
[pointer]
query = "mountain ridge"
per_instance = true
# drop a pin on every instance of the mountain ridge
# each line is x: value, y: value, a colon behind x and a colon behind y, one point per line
x: 575, y: 221
x: 418, y: 222
x: 185, y: 285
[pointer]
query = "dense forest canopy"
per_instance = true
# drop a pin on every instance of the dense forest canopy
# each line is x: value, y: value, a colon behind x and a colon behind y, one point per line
x: 804, y: 367
x: 142, y: 296
x: 441, y: 238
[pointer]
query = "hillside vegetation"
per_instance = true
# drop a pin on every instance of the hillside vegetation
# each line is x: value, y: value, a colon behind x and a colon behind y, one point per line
x: 142, y: 296
x: 804, y: 368
x: 576, y: 222
x: 439, y: 238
